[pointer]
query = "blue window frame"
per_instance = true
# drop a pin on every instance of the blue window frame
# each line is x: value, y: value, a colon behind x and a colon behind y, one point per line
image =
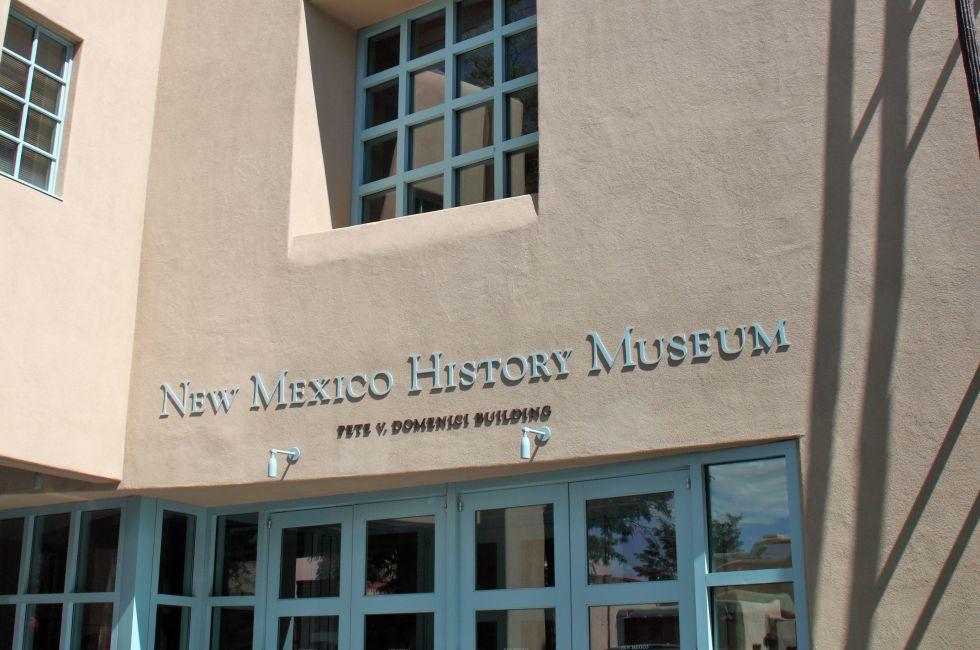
x: 446, y: 109
x: 35, y: 67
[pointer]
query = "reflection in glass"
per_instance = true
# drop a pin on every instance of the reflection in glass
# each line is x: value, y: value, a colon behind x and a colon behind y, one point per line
x: 383, y: 51
x: 522, y: 172
x: 310, y: 566
x: 51, y: 54
x: 515, y: 628
x: 231, y: 628
x: 425, y: 196
x: 515, y: 547
x: 429, y: 87
x: 378, y: 207
x: 401, y: 556
x: 379, y: 157
x: 8, y: 614
x: 754, y: 617
x: 45, y: 92
x: 634, y: 626
x: 97, y: 548
x: 748, y: 508
x: 427, y: 141
x: 474, y: 127
x: 42, y: 627
x: 177, y: 553
x: 522, y: 112
x: 474, y: 183
x: 19, y: 37
x: 91, y: 628
x: 521, y: 54
x: 11, y: 539
x: 631, y: 538
x: 173, y: 630
x: 428, y: 34
x: 381, y: 104
x: 473, y: 17
x: 518, y: 9
x: 309, y: 633
x: 13, y: 75
x: 235, y: 548
x: 474, y: 70
x: 49, y: 554
x: 35, y: 169
x: 402, y: 631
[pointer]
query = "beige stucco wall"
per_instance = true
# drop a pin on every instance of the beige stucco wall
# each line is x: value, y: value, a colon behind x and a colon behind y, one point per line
x: 70, y: 266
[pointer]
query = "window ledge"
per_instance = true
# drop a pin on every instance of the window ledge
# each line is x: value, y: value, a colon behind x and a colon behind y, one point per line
x: 416, y: 231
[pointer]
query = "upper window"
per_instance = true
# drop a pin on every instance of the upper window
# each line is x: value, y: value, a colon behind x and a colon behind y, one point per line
x: 35, y: 66
x: 447, y: 108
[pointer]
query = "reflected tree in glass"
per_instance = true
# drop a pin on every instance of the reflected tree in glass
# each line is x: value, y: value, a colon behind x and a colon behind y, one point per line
x: 631, y: 539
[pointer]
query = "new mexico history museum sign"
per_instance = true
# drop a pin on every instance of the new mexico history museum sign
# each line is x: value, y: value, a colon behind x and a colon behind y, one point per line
x: 437, y: 373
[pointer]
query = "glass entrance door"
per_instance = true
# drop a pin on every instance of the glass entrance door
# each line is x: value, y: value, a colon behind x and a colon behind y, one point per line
x: 632, y: 583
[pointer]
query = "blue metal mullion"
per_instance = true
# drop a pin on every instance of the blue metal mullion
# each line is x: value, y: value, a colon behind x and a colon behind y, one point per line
x: 59, y: 124
x: 449, y: 189
x: 699, y: 557
x: 795, y: 498
x: 499, y: 178
x: 15, y: 56
x: 402, y: 144
x: 520, y: 25
x: 358, y: 170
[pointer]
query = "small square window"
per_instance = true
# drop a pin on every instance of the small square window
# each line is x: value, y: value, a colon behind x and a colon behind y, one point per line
x: 521, y: 54
x: 428, y: 143
x: 378, y: 207
x: 46, y: 92
x: 425, y: 196
x: 473, y: 17
x: 474, y: 127
x: 383, y: 51
x: 428, y: 87
x: 13, y: 75
x: 474, y: 71
x: 474, y: 184
x: 522, y: 172
x: 519, y: 9
x: 428, y: 34
x: 19, y: 37
x: 379, y: 157
x: 382, y: 104
x: 522, y: 112
x: 10, y: 115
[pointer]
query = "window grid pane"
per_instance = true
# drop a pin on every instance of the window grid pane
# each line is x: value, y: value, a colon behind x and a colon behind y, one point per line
x: 447, y: 64
x: 35, y: 66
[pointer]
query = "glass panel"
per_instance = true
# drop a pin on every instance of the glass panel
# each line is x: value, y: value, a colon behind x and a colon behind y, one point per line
x: 45, y: 92
x: 754, y: 617
x: 382, y: 103
x: 379, y: 157
x: 11, y: 538
x: 36, y: 170
x: 8, y: 616
x: 13, y: 75
x: 40, y: 131
x: 428, y: 34
x: 427, y: 141
x: 402, y: 631
x: 748, y: 507
x: 522, y: 112
x: 475, y: 183
x: 474, y: 70
x: 521, y: 54
x: 631, y: 538
x: 401, y: 556
x: 231, y: 628
x: 522, y: 172
x: 91, y: 628
x: 518, y: 9
x: 473, y: 17
x: 19, y: 37
x: 234, y: 564
x: 515, y: 628
x: 378, y: 207
x: 309, y: 633
x: 8, y: 152
x: 428, y: 87
x: 49, y: 546
x: 42, y: 628
x: 10, y: 115
x: 383, y: 51
x: 425, y: 196
x: 310, y: 566
x: 51, y: 55
x: 177, y: 553
x: 173, y: 628
x: 613, y: 627
x: 474, y: 127
x: 97, y: 549
x: 515, y: 547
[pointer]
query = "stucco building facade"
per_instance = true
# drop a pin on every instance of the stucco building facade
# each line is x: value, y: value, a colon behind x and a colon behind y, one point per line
x: 694, y: 368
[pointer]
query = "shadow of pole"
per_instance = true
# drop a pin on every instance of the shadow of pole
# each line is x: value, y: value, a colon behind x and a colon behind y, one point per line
x: 875, y: 424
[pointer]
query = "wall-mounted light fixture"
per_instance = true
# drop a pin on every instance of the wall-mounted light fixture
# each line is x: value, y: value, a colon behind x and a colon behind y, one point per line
x: 541, y: 436
x: 292, y: 457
